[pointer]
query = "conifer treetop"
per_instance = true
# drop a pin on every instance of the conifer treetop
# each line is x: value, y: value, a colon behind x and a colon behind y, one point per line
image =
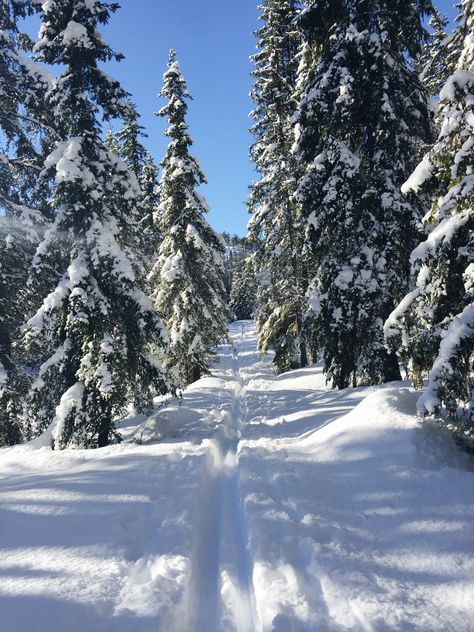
x: 69, y: 36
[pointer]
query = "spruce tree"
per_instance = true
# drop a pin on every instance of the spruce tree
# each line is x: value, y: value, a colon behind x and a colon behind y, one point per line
x: 275, y: 224
x: 111, y: 142
x: 97, y: 331
x: 189, y: 272
x: 131, y: 147
x: 22, y: 85
x: 362, y: 119
x: 149, y: 204
x: 433, y: 327
x: 433, y: 64
x: 243, y: 293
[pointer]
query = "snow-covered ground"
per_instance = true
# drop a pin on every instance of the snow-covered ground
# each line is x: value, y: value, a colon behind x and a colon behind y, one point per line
x: 261, y: 504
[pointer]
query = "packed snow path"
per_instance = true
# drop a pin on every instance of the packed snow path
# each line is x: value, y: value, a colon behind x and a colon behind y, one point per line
x: 262, y: 503
x: 221, y: 556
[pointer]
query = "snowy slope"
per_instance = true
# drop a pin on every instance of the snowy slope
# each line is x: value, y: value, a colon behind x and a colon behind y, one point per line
x: 261, y: 504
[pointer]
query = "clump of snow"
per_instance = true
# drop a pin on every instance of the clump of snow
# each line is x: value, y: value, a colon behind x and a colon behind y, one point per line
x: 71, y: 401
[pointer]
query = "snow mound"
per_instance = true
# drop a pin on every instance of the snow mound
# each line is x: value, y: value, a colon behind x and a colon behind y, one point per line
x: 169, y: 422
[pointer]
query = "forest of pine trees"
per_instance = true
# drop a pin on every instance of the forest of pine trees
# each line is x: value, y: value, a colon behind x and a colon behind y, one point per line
x: 363, y: 214
x: 114, y: 288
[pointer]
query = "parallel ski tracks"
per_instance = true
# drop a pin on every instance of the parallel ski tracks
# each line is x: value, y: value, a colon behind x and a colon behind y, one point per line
x: 221, y: 546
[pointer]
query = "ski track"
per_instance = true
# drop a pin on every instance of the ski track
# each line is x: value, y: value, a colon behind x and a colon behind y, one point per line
x: 221, y: 563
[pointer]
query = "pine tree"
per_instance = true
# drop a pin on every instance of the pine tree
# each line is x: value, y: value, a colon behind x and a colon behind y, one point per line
x: 111, y: 142
x: 132, y: 149
x: 98, y: 332
x: 13, y: 378
x: 243, y: 293
x: 432, y: 63
x: 362, y: 120
x: 275, y: 225
x: 22, y: 84
x: 433, y: 327
x: 189, y: 272
x: 127, y: 144
x: 149, y: 204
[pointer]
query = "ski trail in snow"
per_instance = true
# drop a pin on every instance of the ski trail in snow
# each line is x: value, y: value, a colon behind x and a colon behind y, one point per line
x: 236, y: 563
x: 220, y: 596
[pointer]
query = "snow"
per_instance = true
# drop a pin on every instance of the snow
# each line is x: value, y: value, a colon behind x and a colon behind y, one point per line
x: 459, y: 80
x: 460, y: 328
x: 76, y: 33
x: 70, y: 401
x: 261, y: 503
x: 3, y: 376
x: 423, y: 172
x: 442, y: 233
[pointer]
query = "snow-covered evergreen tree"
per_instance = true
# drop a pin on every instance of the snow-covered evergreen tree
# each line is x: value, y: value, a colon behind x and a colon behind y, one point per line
x: 362, y: 120
x: 13, y: 377
x: 433, y: 327
x: 127, y: 144
x: 275, y: 224
x: 243, y: 292
x: 132, y: 149
x: 111, y: 142
x: 150, y: 234
x: 22, y: 85
x: 97, y: 331
x: 189, y: 272
x: 433, y: 62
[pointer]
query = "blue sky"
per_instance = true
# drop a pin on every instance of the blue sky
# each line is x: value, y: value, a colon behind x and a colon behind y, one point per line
x: 214, y: 40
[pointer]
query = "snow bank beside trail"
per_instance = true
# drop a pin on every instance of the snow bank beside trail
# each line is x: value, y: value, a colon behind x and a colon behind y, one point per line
x: 95, y: 540
x: 364, y: 523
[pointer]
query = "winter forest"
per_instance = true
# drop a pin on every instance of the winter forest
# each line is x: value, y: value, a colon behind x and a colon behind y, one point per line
x: 202, y: 431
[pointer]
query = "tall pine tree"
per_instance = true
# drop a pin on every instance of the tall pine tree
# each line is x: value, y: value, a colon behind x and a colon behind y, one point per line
x: 275, y: 224
x: 97, y: 331
x: 433, y: 62
x: 129, y: 137
x: 433, y: 327
x: 188, y: 274
x: 149, y: 204
x: 362, y: 120
x: 22, y: 85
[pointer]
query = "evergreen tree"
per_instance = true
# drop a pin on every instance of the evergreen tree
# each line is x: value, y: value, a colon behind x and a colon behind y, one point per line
x: 188, y: 273
x: 21, y: 86
x: 149, y: 204
x: 433, y: 327
x: 243, y: 293
x: 433, y: 64
x: 128, y: 138
x: 13, y: 378
x: 97, y: 331
x: 362, y: 120
x: 111, y: 142
x: 275, y: 224
x: 129, y: 147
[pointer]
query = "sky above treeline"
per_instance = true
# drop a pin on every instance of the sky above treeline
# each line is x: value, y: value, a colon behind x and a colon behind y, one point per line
x: 214, y: 40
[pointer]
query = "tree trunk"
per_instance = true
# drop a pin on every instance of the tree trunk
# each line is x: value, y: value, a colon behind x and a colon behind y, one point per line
x: 391, y: 368
x: 303, y: 355
x: 196, y: 373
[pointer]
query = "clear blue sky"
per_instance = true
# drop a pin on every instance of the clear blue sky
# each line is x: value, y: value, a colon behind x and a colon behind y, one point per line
x: 214, y: 40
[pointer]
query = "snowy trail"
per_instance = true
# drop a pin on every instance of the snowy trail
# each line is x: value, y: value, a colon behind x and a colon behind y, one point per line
x: 221, y: 563
x: 262, y: 503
